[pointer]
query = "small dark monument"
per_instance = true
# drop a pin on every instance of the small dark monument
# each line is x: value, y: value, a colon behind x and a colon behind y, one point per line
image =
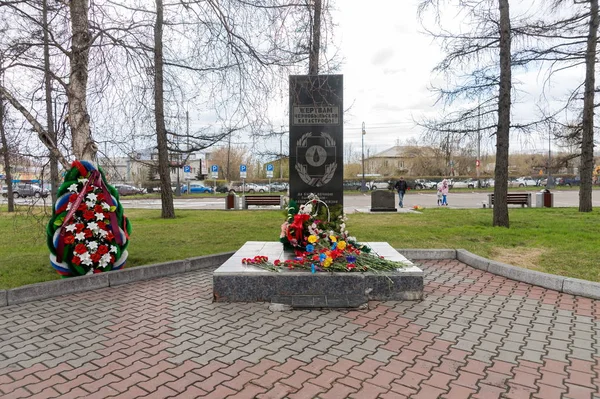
x: 316, y: 138
x: 383, y: 201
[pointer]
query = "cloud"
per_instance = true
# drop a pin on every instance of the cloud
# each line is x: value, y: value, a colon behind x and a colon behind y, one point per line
x: 382, y: 56
x: 393, y: 71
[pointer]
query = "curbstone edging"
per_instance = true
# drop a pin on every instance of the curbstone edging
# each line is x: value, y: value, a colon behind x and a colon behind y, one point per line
x: 207, y: 261
x: 567, y: 285
x: 49, y: 289
x: 139, y: 273
x: 586, y: 288
x: 476, y: 261
x: 533, y: 277
x: 427, y: 254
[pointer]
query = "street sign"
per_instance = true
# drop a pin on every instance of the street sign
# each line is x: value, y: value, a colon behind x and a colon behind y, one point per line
x: 187, y: 168
x: 214, y: 171
x: 269, y: 170
x: 242, y: 171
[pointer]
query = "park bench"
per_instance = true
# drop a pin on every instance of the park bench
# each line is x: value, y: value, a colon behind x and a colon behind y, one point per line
x: 260, y: 200
x: 513, y: 199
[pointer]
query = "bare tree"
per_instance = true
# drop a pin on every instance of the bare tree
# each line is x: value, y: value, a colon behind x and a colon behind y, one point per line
x: 502, y: 134
x: 485, y: 93
x: 564, y: 40
x: 587, y: 139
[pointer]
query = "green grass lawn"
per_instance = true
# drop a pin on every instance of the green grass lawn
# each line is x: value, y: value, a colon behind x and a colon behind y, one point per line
x: 557, y: 240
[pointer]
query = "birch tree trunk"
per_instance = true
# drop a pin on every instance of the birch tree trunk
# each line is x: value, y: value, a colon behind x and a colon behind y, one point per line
x: 166, y: 193
x: 6, y: 157
x: 84, y: 147
x: 500, y: 217
x: 587, y: 137
x: 49, y: 109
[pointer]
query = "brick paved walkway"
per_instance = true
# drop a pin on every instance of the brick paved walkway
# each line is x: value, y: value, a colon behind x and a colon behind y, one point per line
x: 475, y: 335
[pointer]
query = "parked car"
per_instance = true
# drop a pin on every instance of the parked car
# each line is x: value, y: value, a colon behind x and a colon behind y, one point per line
x: 239, y: 187
x: 351, y: 185
x: 126, y: 189
x: 26, y: 190
x: 516, y: 183
x: 529, y: 181
x: 197, y: 188
x: 569, y: 181
x: 469, y: 183
x: 379, y: 185
x: 278, y: 186
x: 422, y: 184
x: 222, y: 188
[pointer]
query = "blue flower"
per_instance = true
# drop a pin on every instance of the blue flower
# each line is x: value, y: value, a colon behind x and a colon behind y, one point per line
x: 322, y: 257
x: 334, y: 246
x: 310, y: 248
x: 312, y: 268
x: 351, y: 258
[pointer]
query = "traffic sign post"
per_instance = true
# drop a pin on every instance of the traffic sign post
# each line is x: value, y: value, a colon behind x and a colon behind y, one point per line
x: 269, y: 174
x: 243, y: 171
x: 214, y: 171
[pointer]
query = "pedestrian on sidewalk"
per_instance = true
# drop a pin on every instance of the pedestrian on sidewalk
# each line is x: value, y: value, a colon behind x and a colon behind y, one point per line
x: 445, y: 188
x: 401, y: 186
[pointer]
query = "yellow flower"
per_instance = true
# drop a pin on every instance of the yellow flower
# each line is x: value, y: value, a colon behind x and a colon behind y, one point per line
x: 341, y: 245
x: 327, y: 262
x: 333, y: 238
x: 312, y: 239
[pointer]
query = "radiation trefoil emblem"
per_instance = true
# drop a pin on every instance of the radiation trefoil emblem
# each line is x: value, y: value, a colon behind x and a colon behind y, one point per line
x: 315, y: 155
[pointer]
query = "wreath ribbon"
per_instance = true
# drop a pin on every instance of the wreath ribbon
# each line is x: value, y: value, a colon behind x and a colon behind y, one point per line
x: 96, y: 178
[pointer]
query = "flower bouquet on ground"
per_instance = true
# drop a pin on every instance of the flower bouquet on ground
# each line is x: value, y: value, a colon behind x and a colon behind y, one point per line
x: 322, y: 244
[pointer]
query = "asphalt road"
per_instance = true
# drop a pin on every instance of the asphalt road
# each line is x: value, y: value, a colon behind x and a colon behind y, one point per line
x: 353, y: 202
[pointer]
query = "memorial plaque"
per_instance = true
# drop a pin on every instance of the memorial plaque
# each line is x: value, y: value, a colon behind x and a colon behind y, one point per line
x: 316, y: 138
x: 383, y: 201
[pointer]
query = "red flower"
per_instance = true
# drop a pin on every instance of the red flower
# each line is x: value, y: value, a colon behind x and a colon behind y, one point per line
x: 102, y: 249
x: 80, y: 248
x: 101, y: 225
x: 90, y: 188
x: 351, y: 266
x: 277, y: 262
x: 88, y: 233
x: 96, y: 257
x: 69, y: 239
x: 98, y: 209
x: 112, y: 259
x: 89, y: 215
x: 76, y: 260
x: 79, y: 227
x: 110, y: 236
x: 96, y: 271
x: 100, y: 197
x: 82, y: 207
x: 72, y: 197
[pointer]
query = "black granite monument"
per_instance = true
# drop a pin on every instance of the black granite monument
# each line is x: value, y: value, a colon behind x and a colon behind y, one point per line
x: 383, y: 201
x: 316, y: 138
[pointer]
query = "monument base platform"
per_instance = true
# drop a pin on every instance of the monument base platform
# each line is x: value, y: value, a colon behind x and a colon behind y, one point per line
x: 236, y: 282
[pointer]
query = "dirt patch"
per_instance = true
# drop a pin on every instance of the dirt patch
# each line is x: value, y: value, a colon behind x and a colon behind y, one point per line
x: 528, y: 258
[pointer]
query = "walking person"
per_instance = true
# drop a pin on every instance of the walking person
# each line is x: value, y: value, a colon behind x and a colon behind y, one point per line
x: 401, y: 186
x: 445, y: 188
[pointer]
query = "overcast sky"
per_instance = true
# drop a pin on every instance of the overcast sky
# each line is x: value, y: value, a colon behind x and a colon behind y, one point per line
x: 387, y: 70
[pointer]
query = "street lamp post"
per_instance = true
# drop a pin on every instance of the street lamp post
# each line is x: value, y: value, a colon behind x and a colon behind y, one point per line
x: 363, y: 186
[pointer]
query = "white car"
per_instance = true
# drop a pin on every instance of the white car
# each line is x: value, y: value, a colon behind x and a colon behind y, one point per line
x: 469, y: 183
x: 528, y: 181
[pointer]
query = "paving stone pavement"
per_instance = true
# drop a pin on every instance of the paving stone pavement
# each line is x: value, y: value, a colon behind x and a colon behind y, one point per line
x: 475, y: 335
